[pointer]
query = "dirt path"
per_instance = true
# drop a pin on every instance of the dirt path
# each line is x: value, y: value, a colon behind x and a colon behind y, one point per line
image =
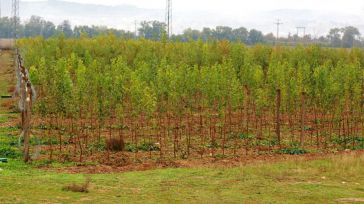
x: 7, y: 88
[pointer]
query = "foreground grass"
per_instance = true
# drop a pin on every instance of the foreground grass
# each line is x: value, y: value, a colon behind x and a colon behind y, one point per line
x: 322, y: 181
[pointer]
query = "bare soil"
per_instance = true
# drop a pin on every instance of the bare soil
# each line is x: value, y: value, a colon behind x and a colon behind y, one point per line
x: 198, y: 163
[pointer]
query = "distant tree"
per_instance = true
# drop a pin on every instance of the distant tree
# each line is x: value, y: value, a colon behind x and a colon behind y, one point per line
x: 33, y: 27
x: 269, y: 38
x: 82, y: 30
x: 49, y: 29
x: 241, y: 34
x: 37, y: 26
x: 255, y: 37
x: 5, y: 27
x: 350, y: 33
x: 191, y: 34
x: 322, y: 39
x: 152, y: 30
x: 207, y: 34
x: 65, y: 27
x: 223, y: 33
x: 335, y: 37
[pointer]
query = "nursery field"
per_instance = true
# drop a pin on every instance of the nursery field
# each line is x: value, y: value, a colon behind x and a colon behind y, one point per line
x: 138, y: 121
x: 115, y: 101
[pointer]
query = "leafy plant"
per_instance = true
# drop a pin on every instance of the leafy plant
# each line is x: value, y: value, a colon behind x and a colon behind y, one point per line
x: 9, y: 152
x: 292, y: 151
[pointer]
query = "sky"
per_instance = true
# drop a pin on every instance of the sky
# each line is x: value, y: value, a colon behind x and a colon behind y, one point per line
x: 317, y: 15
x: 228, y: 6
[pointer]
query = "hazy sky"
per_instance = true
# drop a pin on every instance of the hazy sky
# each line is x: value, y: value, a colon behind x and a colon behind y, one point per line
x: 344, y: 6
x: 318, y: 16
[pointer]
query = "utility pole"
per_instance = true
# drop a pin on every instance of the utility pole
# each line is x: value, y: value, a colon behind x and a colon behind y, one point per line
x: 278, y: 23
x: 169, y: 18
x: 15, y: 15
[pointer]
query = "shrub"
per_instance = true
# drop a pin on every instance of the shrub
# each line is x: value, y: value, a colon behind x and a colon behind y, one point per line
x: 148, y: 147
x: 212, y: 145
x: 115, y: 144
x: 131, y: 147
x: 246, y: 136
x: 347, y: 142
x: 293, y: 151
x: 143, y: 147
x: 98, y: 146
x: 78, y: 188
x: 9, y: 152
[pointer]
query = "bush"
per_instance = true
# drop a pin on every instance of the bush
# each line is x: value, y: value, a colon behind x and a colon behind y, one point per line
x: 347, y: 142
x: 212, y: 145
x: 98, y: 146
x: 78, y: 188
x: 115, y: 144
x: 143, y: 147
x: 246, y: 136
x: 9, y: 152
x: 148, y: 147
x: 293, y: 151
x: 131, y: 147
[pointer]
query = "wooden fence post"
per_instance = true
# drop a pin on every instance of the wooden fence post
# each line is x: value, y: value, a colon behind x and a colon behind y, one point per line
x: 26, y: 102
x: 278, y: 117
x: 302, y: 141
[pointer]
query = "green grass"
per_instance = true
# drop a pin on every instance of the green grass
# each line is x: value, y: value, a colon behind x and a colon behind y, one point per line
x: 5, y: 62
x: 321, y: 181
x: 3, y: 118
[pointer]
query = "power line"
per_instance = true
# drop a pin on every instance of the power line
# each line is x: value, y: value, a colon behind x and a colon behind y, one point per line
x: 278, y: 23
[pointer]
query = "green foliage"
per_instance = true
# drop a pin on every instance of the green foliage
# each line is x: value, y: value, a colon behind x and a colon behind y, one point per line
x: 131, y: 147
x: 99, y: 147
x: 292, y: 151
x: 110, y: 79
x: 149, y: 76
x: 9, y: 152
x: 355, y: 143
x: 146, y: 147
x: 244, y: 136
x: 212, y: 145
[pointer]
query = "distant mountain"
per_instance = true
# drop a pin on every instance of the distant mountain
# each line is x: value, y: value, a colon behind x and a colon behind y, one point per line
x: 124, y: 16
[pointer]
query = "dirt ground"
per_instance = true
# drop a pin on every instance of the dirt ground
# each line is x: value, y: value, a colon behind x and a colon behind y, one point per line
x: 6, y: 44
x: 197, y: 163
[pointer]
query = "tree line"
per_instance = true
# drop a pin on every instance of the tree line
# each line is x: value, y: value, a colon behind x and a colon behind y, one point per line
x: 154, y: 30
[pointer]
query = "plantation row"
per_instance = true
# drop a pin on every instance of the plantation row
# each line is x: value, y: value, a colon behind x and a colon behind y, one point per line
x: 195, y: 99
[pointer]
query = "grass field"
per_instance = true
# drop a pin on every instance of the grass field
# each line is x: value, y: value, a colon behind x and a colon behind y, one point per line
x: 295, y: 181
x: 321, y: 181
